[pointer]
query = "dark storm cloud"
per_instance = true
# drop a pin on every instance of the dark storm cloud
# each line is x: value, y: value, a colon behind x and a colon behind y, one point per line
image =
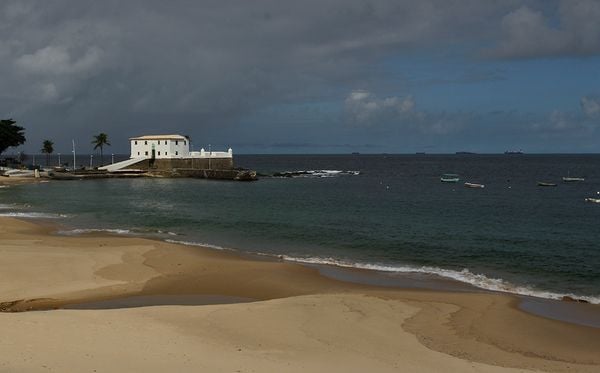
x: 114, y: 63
x: 203, y: 67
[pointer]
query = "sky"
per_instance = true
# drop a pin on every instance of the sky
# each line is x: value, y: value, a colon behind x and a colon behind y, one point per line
x: 311, y: 76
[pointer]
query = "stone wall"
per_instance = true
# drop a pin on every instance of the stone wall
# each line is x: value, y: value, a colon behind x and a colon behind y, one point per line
x: 186, y: 163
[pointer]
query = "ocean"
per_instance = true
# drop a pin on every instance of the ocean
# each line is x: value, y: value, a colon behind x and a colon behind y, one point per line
x: 387, y: 213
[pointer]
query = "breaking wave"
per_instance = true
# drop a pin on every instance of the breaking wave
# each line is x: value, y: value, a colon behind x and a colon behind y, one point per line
x: 480, y: 281
x: 34, y: 215
x: 132, y: 232
x: 465, y: 276
x: 75, y: 232
x: 199, y: 244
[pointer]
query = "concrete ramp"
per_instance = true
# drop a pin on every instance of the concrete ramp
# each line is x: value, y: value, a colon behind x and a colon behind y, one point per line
x: 120, y: 165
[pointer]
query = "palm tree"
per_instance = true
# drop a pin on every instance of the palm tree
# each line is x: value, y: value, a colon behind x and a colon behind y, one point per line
x: 47, y: 148
x: 99, y: 141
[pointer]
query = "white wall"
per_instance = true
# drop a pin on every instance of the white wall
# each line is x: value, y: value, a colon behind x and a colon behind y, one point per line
x: 163, y: 148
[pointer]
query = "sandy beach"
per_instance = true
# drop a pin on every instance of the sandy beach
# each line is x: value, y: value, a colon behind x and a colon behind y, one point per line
x: 292, y: 319
x: 15, y: 180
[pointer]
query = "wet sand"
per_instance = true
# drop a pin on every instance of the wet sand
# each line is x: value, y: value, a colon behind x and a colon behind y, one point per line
x: 7, y: 182
x: 298, y: 319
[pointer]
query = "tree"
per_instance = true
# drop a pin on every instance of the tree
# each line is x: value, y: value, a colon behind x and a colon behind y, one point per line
x: 10, y: 134
x: 47, y: 148
x: 99, y: 141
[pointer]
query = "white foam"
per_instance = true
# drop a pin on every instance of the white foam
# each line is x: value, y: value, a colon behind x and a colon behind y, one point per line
x: 331, y: 173
x: 318, y: 173
x: 478, y: 280
x: 465, y: 276
x: 74, y: 232
x: 199, y: 244
x: 35, y: 215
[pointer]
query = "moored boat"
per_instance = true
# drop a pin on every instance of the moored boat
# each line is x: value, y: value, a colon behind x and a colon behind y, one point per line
x: 449, y: 178
x: 568, y: 179
x: 546, y: 184
x: 474, y: 185
x: 593, y: 200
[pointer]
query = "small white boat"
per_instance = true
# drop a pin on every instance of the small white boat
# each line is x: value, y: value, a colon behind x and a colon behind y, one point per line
x: 19, y: 173
x: 568, y: 179
x: 593, y: 200
x: 449, y: 178
x: 474, y: 185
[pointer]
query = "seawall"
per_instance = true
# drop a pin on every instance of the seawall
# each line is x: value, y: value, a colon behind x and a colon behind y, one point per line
x: 183, y: 163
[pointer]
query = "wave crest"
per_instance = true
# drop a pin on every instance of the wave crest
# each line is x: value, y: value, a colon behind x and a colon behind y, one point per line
x: 465, y: 276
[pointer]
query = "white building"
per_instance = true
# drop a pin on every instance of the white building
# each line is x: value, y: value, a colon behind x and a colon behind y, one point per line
x: 169, y: 147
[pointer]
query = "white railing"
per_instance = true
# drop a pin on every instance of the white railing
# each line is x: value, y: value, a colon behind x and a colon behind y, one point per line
x: 204, y: 154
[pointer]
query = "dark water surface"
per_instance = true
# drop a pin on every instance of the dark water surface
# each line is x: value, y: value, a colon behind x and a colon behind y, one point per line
x: 394, y: 216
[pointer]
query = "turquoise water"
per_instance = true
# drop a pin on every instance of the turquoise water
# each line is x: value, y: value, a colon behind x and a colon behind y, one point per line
x: 392, y: 215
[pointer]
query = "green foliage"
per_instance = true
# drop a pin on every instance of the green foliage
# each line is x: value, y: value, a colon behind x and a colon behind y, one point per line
x: 10, y: 134
x: 47, y: 148
x: 99, y: 141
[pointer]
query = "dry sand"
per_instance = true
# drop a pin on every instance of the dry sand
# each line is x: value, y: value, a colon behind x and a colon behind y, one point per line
x: 301, y: 321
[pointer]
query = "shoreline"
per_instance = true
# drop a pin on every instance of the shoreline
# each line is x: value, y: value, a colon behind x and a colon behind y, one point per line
x: 367, y: 325
x: 434, y: 278
x: 573, y: 311
x: 519, y: 285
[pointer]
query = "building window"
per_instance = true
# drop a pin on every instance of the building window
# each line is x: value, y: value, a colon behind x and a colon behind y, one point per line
x: 176, y: 142
x: 158, y: 153
x: 145, y: 142
x: 138, y: 153
x: 135, y: 142
x: 166, y: 153
x: 184, y: 143
x: 176, y: 153
x: 146, y: 152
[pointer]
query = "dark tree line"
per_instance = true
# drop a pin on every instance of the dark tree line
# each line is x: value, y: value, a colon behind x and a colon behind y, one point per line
x: 10, y: 134
x: 13, y: 135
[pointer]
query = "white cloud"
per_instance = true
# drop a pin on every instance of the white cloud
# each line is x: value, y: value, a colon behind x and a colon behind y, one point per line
x: 48, y: 92
x: 57, y: 60
x: 529, y: 33
x: 365, y: 108
x: 590, y: 106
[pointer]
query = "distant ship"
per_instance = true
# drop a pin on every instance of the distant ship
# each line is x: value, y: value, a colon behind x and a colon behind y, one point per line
x: 466, y: 153
x: 513, y: 152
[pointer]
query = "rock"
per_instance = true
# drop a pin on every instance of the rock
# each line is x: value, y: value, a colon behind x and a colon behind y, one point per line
x: 246, y: 175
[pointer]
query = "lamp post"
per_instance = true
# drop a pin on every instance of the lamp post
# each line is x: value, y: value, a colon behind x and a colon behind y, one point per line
x: 74, y: 160
x: 112, y: 159
x: 58, y: 159
x: 91, y: 157
x: 209, y: 156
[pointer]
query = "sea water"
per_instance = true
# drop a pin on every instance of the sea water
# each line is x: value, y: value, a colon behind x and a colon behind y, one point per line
x: 381, y: 212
